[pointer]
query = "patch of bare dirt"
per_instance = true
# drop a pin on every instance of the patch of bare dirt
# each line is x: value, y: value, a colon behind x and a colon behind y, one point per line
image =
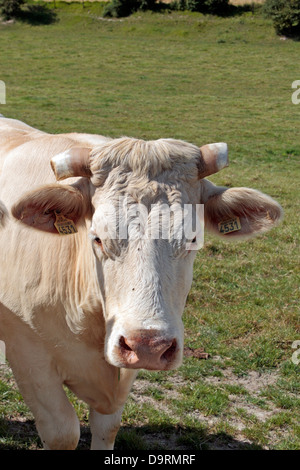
x: 241, y: 405
x: 253, y: 382
x: 252, y: 385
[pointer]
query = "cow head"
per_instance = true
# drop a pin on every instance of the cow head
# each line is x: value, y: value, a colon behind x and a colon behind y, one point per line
x: 144, y: 277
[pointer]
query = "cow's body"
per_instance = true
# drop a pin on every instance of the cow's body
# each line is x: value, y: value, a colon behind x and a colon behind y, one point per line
x: 59, y: 304
x: 51, y: 349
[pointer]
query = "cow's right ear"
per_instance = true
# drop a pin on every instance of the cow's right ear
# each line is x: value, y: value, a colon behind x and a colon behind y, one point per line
x: 53, y: 208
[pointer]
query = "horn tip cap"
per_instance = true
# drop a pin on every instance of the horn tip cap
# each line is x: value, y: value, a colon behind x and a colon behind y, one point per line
x: 61, y: 166
x: 221, y: 150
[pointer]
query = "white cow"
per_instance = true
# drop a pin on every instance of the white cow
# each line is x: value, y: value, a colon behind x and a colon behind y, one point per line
x: 81, y: 306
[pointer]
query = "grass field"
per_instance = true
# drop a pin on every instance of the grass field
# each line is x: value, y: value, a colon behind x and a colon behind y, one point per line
x: 201, y: 79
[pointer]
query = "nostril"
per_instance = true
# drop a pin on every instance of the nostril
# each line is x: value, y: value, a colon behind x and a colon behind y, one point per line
x: 123, y: 344
x: 147, y: 350
x: 169, y: 353
x: 127, y: 354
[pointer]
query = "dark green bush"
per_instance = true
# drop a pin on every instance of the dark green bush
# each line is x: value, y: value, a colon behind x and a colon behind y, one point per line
x: 217, y: 7
x: 214, y: 7
x: 180, y: 5
x: 121, y: 8
x: 285, y: 15
x: 10, y: 8
x: 118, y: 8
x: 147, y: 4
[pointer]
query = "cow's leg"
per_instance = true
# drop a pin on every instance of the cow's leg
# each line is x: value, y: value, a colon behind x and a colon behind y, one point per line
x: 104, y: 429
x: 42, y: 390
x: 55, y: 418
x: 57, y: 422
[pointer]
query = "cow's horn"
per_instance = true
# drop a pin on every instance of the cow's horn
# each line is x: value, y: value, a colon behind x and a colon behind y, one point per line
x: 72, y: 162
x: 214, y: 158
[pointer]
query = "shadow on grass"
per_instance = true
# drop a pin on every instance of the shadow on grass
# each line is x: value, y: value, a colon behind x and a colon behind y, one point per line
x: 22, y: 435
x: 171, y: 438
x: 18, y: 435
x: 37, y: 15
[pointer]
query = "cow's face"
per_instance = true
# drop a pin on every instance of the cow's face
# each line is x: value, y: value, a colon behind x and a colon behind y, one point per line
x: 143, y: 254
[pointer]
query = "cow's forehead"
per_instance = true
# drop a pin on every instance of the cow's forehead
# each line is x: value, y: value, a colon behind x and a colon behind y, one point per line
x: 130, y: 208
x: 167, y: 188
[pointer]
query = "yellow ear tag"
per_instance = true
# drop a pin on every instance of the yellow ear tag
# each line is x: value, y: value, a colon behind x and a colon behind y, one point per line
x: 231, y: 225
x: 63, y: 225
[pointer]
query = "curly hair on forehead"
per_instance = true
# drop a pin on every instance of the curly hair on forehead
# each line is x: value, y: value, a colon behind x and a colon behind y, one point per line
x: 144, y: 158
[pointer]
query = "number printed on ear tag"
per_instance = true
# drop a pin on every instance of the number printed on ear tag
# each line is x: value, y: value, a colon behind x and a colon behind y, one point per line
x: 231, y: 225
x: 64, y: 226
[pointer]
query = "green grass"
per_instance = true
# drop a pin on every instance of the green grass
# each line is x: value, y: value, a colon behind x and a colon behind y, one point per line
x: 201, y: 79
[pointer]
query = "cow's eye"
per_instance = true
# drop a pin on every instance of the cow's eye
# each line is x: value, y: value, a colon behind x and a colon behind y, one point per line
x: 98, y: 242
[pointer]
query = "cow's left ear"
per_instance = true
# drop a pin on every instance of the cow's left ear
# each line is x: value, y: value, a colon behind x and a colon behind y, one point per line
x: 53, y: 208
x: 238, y: 212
